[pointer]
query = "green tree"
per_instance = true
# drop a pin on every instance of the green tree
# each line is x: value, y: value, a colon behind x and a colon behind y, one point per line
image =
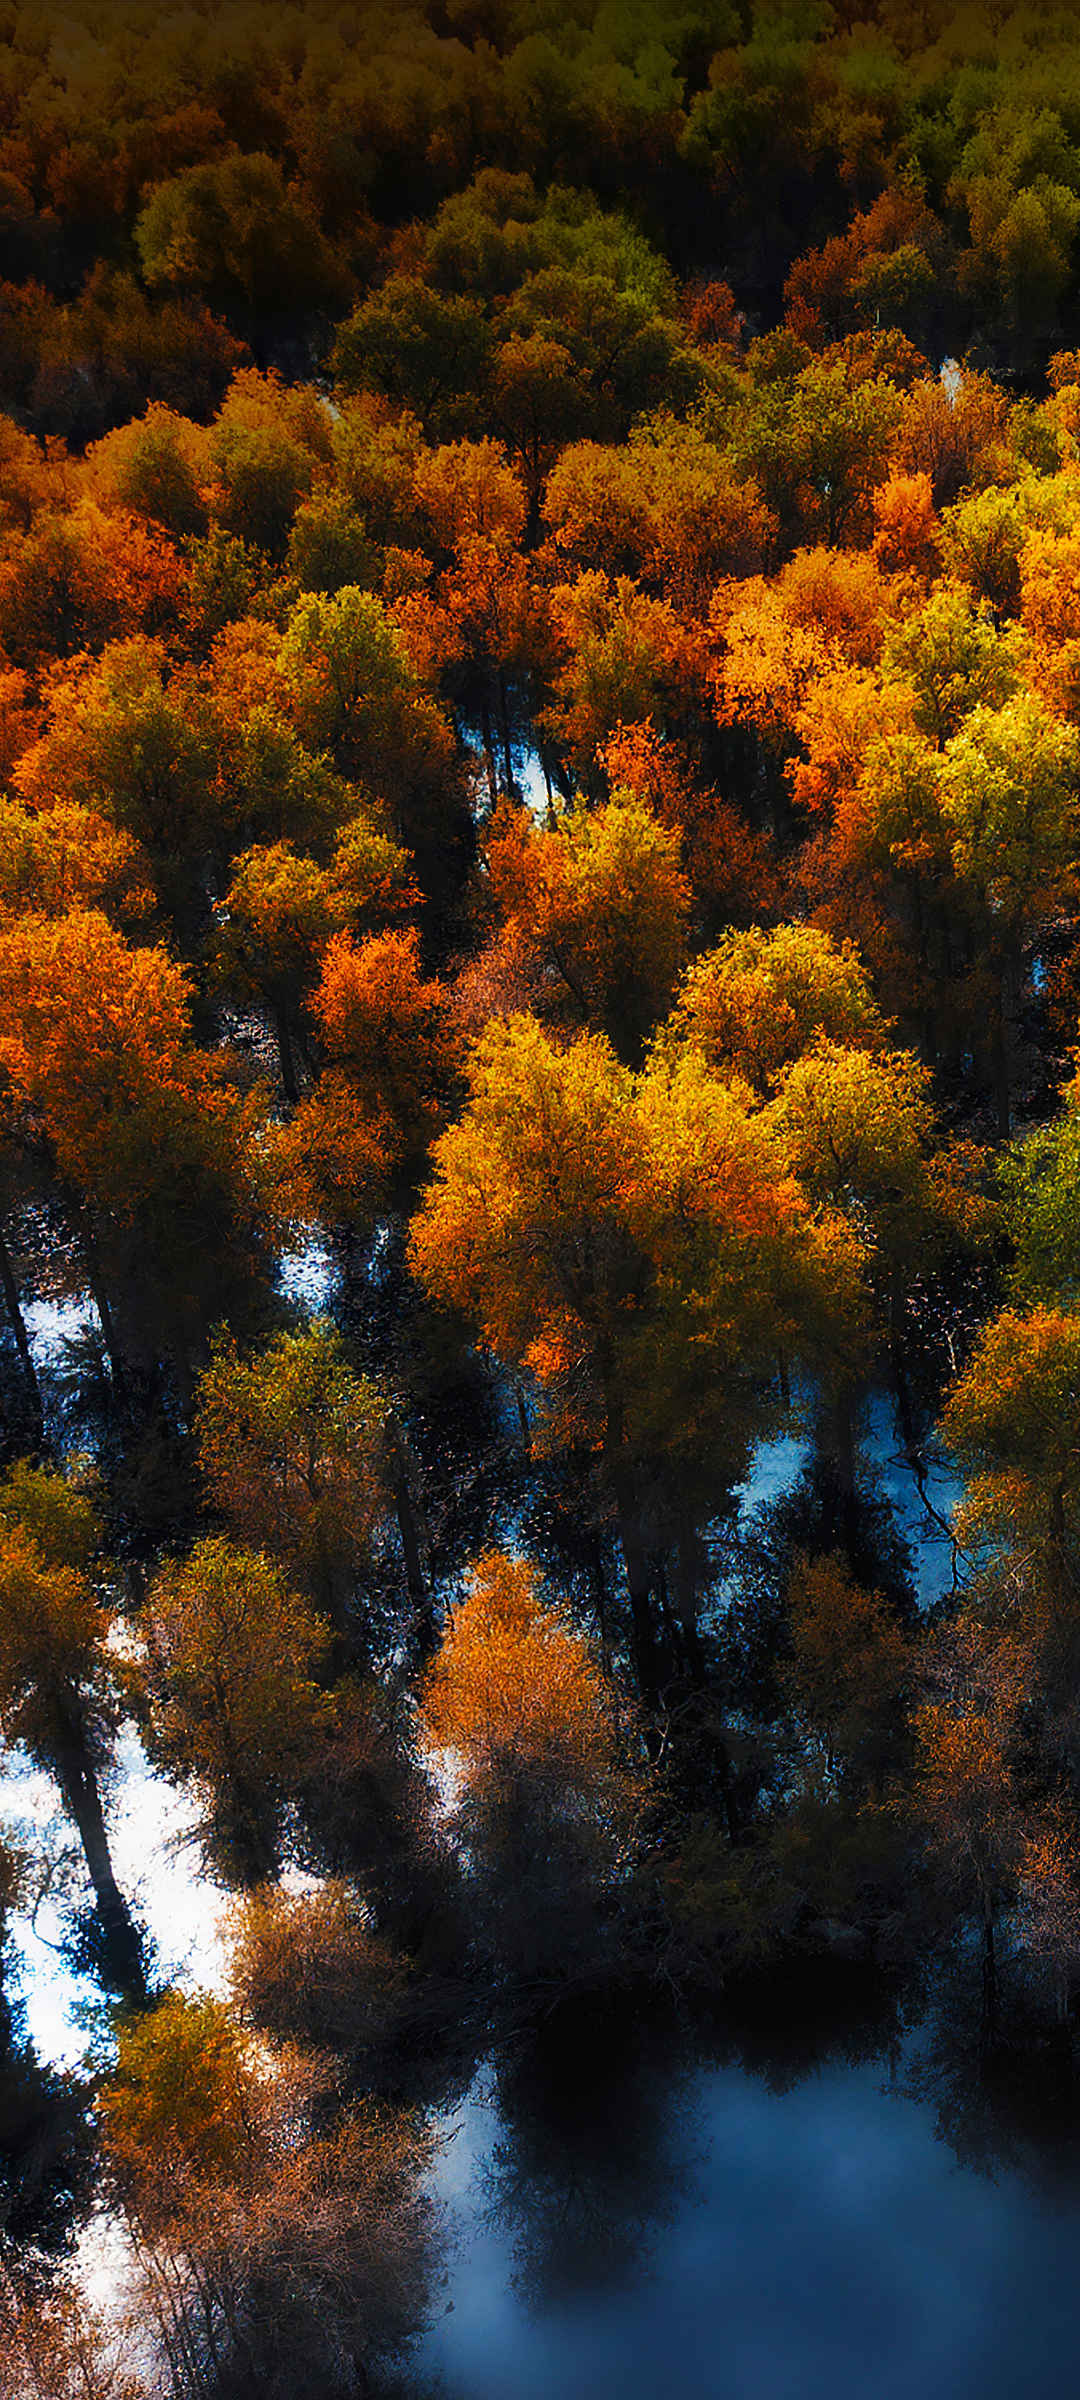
x: 230, y: 229
x: 1010, y: 793
x: 233, y: 1656
x: 58, y: 1689
x: 291, y: 1445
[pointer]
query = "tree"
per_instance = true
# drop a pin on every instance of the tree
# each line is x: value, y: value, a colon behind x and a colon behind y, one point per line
x: 1040, y: 1182
x: 1049, y: 1910
x: 905, y: 524
x: 353, y: 691
x: 468, y: 491
x: 309, y: 1967
x: 594, y: 910
x: 859, y: 1132
x: 54, y: 2346
x: 130, y: 745
x: 385, y: 1025
x: 58, y: 1693
x: 230, y: 229
x: 157, y: 467
x: 729, y: 863
x: 232, y: 1660
x: 491, y: 640
x: 55, y: 859
x: 964, y: 1794
x: 665, y: 507
x: 757, y: 1002
x: 956, y: 433
x: 635, y: 1242
x: 848, y: 1670
x: 1010, y: 792
x: 281, y: 910
x: 149, y: 1146
x: 627, y: 660
x: 514, y: 1699
x: 955, y: 659
x: 277, y: 2233
x: 1013, y: 1421
x: 85, y: 576
x: 329, y: 545
x: 290, y: 1442
x: 817, y: 446
x: 425, y: 348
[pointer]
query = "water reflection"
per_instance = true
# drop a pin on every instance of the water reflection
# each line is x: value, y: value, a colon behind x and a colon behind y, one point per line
x: 153, y: 1830
x: 594, y: 2150
x: 819, y: 2240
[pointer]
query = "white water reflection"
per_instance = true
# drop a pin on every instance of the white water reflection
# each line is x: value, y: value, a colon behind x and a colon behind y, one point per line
x: 309, y: 1276
x: 54, y: 1324
x: 530, y: 783
x: 921, y: 1503
x: 153, y: 1834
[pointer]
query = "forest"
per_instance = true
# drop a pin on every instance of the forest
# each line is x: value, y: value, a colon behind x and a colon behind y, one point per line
x: 539, y: 1084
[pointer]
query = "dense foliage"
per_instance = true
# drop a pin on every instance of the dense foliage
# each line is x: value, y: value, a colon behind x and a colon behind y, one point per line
x: 540, y: 785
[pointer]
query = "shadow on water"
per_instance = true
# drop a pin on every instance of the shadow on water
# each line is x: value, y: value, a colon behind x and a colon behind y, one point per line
x: 645, y: 2208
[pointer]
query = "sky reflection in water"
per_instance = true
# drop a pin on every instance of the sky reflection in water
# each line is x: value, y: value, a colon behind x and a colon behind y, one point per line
x: 826, y: 2246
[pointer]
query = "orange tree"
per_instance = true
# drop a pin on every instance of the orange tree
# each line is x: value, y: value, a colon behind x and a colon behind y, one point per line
x: 145, y: 1139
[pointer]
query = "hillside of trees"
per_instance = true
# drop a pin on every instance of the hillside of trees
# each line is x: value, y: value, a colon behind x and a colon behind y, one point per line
x: 539, y: 772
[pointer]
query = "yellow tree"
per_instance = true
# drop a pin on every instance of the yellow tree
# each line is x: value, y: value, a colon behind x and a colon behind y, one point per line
x: 760, y: 999
x: 66, y: 856
x: 1010, y: 798
x: 148, y: 1143
x: 594, y: 914
x: 386, y: 1037
x: 859, y: 1131
x: 278, y: 2233
x: 637, y: 1243
x: 1012, y: 1420
x: 282, y: 908
x: 232, y: 1659
x: 848, y: 1669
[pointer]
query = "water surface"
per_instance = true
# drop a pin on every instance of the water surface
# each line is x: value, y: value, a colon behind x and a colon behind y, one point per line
x: 815, y: 2243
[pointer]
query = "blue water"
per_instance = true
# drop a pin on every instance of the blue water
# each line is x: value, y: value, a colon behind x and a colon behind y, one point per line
x: 819, y: 2243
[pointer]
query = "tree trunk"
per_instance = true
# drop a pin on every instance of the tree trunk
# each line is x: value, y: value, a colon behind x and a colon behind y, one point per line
x: 901, y: 1385
x: 1002, y: 1074
x: 98, y: 1294
x: 686, y: 1580
x: 77, y: 1777
x: 22, y: 1338
x: 245, y: 1822
x: 646, y: 1647
x: 504, y: 728
x: 285, y: 1053
x: 836, y: 1450
x: 489, y: 753
x: 624, y: 1488
x: 416, y: 1581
